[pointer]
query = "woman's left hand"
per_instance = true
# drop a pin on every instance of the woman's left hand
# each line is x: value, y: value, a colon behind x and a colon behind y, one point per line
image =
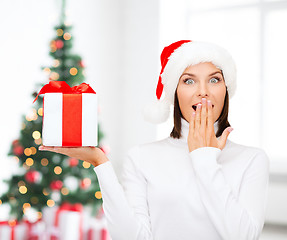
x: 201, y: 129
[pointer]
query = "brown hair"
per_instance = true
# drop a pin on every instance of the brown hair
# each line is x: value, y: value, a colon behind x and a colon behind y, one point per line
x: 222, y: 120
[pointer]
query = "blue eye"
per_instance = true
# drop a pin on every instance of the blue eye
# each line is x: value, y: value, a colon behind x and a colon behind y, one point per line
x: 218, y: 79
x: 188, y: 80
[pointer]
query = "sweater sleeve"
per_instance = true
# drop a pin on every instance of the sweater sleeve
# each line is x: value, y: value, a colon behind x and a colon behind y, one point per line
x: 235, y: 218
x: 125, y: 204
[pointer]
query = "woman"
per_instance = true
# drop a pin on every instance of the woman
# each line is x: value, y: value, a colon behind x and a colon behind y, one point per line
x: 194, y: 184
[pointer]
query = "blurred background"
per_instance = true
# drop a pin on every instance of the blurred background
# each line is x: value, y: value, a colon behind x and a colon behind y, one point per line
x: 120, y: 43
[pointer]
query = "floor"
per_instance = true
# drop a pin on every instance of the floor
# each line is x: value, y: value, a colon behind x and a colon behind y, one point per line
x: 274, y: 232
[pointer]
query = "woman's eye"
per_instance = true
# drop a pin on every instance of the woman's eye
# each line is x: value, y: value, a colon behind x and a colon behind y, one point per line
x: 217, y: 79
x: 188, y: 81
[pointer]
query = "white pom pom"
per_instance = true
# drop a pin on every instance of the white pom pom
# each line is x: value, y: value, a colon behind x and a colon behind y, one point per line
x: 157, y: 111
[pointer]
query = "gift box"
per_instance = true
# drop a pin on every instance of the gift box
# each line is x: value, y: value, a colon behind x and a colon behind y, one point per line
x: 49, y: 218
x: 13, y: 230
x: 64, y: 222
x: 69, y: 220
x: 98, y: 230
x: 69, y: 115
x: 98, y: 227
x: 36, y: 230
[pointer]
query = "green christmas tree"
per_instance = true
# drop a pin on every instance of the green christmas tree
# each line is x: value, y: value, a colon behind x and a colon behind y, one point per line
x: 46, y: 178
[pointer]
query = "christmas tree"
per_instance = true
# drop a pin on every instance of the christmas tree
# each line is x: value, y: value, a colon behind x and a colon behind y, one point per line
x: 46, y: 178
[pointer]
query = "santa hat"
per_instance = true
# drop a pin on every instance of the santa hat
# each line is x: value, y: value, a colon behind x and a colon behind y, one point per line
x: 175, y: 58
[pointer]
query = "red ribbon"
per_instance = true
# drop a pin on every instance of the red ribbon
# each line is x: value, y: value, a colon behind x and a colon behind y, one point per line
x: 63, y: 87
x: 77, y: 207
x: 72, y: 119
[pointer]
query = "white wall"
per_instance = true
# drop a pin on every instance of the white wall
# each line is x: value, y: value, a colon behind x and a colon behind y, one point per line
x: 118, y: 41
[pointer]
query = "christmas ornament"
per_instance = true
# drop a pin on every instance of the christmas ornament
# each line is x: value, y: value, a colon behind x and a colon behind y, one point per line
x: 18, y: 149
x: 56, y: 185
x: 73, y: 162
x: 33, y: 176
x: 59, y: 44
x: 85, y: 183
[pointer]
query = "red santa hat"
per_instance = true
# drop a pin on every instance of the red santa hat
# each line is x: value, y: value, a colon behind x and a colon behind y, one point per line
x: 175, y: 58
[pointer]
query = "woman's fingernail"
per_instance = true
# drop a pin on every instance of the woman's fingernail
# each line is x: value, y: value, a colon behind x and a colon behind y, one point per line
x: 230, y: 129
x: 41, y: 148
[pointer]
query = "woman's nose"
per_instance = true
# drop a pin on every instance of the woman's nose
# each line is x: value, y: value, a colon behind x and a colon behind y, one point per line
x: 202, y: 90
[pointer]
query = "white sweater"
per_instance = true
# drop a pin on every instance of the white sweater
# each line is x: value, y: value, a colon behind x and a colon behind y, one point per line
x: 169, y: 193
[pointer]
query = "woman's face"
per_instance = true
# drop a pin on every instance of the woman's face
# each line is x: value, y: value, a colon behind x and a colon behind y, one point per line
x: 202, y: 80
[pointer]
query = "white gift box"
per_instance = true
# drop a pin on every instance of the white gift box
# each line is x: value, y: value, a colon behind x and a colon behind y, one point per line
x: 38, y: 231
x: 70, y: 120
x: 20, y: 232
x: 69, y: 225
x: 98, y: 230
x: 63, y: 224
x: 49, y: 214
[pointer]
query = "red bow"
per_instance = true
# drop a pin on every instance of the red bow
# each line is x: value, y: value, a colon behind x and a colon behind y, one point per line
x: 63, y: 87
x: 77, y: 207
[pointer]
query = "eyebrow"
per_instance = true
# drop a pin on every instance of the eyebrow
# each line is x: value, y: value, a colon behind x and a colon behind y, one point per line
x: 192, y: 75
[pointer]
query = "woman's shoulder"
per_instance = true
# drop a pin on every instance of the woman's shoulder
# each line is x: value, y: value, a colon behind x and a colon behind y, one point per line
x: 233, y: 146
x: 139, y: 153
x: 249, y: 153
x: 149, y: 146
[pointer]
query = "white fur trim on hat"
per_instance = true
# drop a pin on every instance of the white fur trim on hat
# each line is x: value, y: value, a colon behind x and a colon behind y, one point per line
x: 157, y: 111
